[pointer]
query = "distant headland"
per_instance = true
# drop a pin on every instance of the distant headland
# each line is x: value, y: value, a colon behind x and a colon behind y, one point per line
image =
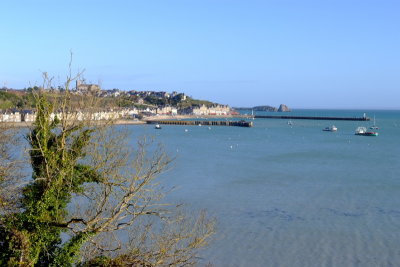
x: 282, y: 108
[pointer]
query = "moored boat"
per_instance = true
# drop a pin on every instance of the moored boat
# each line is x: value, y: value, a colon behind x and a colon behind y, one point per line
x: 333, y: 128
x: 374, y: 127
x: 363, y: 131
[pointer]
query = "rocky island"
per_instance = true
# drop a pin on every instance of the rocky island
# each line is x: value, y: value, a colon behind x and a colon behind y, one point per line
x: 283, y: 108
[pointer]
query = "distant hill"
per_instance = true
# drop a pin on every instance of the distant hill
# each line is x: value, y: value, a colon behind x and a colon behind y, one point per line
x: 24, y: 99
x: 265, y: 108
x: 282, y: 108
x: 258, y: 108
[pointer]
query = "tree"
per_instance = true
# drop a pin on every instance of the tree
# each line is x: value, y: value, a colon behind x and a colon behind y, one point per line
x: 91, y: 200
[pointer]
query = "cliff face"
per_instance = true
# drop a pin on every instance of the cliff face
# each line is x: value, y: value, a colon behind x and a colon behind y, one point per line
x: 283, y: 108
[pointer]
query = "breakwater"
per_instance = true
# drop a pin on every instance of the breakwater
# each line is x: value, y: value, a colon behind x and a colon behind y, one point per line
x: 241, y: 123
x: 314, y: 118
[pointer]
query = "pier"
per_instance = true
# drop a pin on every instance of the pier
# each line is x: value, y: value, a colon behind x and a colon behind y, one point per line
x: 205, y: 123
x: 314, y: 118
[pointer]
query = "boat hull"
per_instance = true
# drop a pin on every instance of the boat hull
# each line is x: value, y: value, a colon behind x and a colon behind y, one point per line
x: 368, y: 134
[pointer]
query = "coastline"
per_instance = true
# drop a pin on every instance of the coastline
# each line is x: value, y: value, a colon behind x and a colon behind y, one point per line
x: 24, y: 124
x: 182, y: 117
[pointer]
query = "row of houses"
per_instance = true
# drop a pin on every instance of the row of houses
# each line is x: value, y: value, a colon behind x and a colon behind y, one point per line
x: 95, y: 115
x: 215, y: 110
x: 142, y: 94
x: 30, y: 115
x: 11, y: 117
x: 85, y: 88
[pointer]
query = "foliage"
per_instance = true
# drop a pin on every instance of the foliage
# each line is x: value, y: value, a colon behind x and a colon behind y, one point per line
x: 88, y: 190
x: 157, y: 101
x: 26, y: 100
x: 189, y: 102
x: 56, y: 175
x: 16, y: 100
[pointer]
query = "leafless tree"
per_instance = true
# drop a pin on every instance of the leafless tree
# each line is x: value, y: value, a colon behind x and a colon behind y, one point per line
x: 116, y: 216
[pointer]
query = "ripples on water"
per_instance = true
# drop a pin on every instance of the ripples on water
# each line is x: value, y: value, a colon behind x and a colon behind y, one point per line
x: 292, y: 196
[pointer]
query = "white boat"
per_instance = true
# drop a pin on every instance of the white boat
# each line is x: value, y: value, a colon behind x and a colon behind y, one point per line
x: 361, y: 131
x: 157, y: 126
x: 333, y: 128
x: 374, y: 127
x: 290, y: 122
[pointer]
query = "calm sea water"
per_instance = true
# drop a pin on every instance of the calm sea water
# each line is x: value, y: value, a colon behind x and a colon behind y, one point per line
x: 292, y: 195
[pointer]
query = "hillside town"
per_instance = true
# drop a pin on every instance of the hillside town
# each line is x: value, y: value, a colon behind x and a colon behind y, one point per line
x: 14, y: 115
x: 138, y: 105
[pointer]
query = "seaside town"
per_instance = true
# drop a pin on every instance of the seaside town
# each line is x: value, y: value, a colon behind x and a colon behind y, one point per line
x: 135, y: 105
x: 132, y: 106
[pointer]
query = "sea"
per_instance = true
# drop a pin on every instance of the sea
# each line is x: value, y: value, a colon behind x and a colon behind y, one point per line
x: 291, y: 195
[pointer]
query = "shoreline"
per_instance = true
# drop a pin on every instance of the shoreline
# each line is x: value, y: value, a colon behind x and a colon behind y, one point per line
x: 143, y: 121
x: 182, y: 117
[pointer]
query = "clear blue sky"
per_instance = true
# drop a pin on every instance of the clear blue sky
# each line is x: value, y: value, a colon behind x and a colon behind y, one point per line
x: 306, y: 54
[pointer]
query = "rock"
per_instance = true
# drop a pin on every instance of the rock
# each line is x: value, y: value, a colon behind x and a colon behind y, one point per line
x: 283, y: 108
x: 265, y: 108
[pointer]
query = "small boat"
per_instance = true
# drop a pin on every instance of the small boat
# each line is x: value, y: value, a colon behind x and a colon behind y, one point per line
x: 333, y: 128
x: 360, y: 131
x: 374, y: 127
x: 290, y: 122
x: 157, y: 126
x: 363, y: 131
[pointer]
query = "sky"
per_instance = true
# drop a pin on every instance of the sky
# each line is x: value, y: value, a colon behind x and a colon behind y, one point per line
x: 305, y: 54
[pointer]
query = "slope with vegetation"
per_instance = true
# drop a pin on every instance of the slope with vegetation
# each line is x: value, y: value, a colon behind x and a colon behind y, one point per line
x: 91, y: 199
x: 16, y: 99
x: 24, y: 99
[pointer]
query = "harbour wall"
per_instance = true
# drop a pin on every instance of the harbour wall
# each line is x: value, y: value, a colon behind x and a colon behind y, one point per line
x: 314, y: 118
x: 204, y: 122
